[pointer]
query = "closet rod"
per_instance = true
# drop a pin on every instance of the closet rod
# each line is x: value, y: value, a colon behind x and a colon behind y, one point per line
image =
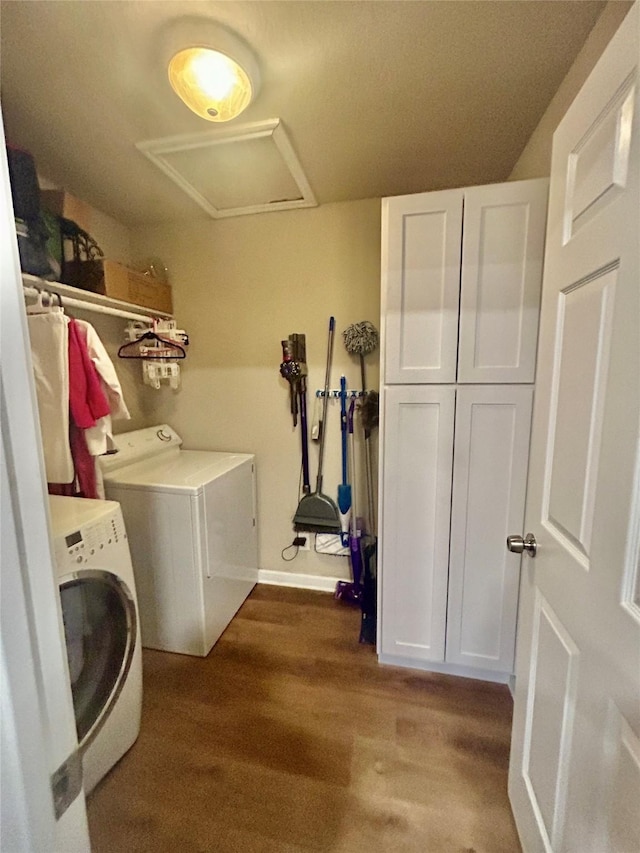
x: 31, y: 284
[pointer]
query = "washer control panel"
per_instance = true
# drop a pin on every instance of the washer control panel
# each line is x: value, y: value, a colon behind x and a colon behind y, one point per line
x: 140, y: 444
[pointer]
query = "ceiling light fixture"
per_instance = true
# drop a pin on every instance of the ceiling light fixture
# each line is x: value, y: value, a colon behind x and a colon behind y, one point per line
x: 211, y: 69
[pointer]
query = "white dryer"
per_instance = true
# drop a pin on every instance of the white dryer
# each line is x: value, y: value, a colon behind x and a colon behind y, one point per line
x: 191, y: 520
x: 101, y: 626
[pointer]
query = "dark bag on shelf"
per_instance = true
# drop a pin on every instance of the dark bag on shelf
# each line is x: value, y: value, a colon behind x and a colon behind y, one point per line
x: 30, y: 227
x: 81, y: 257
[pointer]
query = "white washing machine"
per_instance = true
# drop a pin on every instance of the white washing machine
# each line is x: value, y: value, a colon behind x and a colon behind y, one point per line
x: 101, y: 626
x: 191, y: 519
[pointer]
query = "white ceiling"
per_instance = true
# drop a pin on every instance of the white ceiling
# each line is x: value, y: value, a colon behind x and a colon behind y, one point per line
x: 378, y: 98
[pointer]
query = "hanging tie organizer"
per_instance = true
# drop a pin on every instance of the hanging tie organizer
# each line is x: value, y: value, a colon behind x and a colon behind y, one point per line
x: 160, y: 346
x: 336, y: 393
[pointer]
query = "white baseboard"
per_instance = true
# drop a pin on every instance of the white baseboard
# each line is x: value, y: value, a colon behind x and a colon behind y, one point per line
x: 447, y: 669
x: 315, y: 582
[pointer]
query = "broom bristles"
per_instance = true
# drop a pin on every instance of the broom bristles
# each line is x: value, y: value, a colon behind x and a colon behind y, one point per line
x: 370, y: 410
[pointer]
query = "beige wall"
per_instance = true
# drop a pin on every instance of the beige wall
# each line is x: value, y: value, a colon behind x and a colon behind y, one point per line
x: 243, y: 284
x: 240, y: 286
x: 535, y: 160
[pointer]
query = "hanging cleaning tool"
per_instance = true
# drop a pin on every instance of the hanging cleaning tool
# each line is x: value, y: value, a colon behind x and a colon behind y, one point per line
x: 369, y: 417
x: 294, y: 369
x: 361, y: 339
x: 290, y: 370
x: 344, y: 489
x: 351, y: 592
x: 317, y: 512
x: 299, y: 347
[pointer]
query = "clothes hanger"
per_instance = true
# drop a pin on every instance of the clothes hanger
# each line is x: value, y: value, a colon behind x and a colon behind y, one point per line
x: 40, y: 307
x: 60, y: 305
x: 167, y: 349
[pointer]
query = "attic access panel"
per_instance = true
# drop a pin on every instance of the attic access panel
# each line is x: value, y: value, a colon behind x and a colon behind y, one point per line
x: 234, y: 171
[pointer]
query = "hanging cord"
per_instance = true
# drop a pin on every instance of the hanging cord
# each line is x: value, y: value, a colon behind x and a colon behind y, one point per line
x: 296, y: 543
x: 288, y: 548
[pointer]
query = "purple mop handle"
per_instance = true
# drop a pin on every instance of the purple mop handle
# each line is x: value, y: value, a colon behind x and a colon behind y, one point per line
x: 306, y: 482
x: 354, y: 540
x: 343, y: 426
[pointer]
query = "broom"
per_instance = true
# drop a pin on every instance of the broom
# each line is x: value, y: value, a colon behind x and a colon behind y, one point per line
x: 316, y: 511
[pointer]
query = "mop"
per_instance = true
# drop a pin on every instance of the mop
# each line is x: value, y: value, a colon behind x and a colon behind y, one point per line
x: 361, y: 339
x: 351, y: 591
x: 344, y: 488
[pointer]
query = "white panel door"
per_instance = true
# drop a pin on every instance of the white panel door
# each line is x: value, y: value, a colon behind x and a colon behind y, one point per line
x: 421, y: 237
x: 416, y: 509
x: 493, y: 423
x: 502, y: 253
x: 575, y: 762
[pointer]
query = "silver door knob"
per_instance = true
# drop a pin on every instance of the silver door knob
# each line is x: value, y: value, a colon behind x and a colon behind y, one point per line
x: 517, y: 544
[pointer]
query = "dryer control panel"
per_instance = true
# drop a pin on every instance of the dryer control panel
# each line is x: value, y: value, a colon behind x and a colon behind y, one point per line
x: 89, y: 542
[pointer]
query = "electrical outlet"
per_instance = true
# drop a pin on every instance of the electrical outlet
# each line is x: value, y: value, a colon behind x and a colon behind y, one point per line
x: 302, y: 541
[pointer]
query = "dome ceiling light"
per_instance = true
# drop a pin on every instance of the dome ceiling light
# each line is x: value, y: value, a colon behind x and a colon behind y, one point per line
x: 210, y: 69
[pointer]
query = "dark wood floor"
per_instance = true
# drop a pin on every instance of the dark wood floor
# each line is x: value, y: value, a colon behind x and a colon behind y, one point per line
x: 290, y: 737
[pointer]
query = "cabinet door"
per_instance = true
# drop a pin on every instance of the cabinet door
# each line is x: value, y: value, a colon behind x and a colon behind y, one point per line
x: 421, y: 286
x: 416, y: 510
x: 502, y: 252
x: 489, y: 486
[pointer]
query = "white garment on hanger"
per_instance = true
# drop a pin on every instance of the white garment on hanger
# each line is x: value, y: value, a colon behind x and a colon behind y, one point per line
x: 100, y: 437
x: 49, y: 336
x: 106, y: 371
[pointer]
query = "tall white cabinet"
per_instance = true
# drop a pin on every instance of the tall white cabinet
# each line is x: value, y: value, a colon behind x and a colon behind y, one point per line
x: 461, y: 278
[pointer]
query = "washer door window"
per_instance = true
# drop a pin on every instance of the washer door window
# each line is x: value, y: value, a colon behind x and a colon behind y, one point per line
x: 100, y: 630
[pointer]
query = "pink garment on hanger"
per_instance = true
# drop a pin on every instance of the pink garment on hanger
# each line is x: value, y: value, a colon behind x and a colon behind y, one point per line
x: 87, y: 404
x: 87, y: 400
x: 67, y: 490
x: 84, y: 463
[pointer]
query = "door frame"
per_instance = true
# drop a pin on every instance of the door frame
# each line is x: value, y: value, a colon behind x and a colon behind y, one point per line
x: 38, y: 726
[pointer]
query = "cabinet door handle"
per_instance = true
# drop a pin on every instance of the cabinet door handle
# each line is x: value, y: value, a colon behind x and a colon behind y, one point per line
x: 517, y: 544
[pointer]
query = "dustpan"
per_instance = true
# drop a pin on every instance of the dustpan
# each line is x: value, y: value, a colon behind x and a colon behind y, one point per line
x: 317, y: 512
